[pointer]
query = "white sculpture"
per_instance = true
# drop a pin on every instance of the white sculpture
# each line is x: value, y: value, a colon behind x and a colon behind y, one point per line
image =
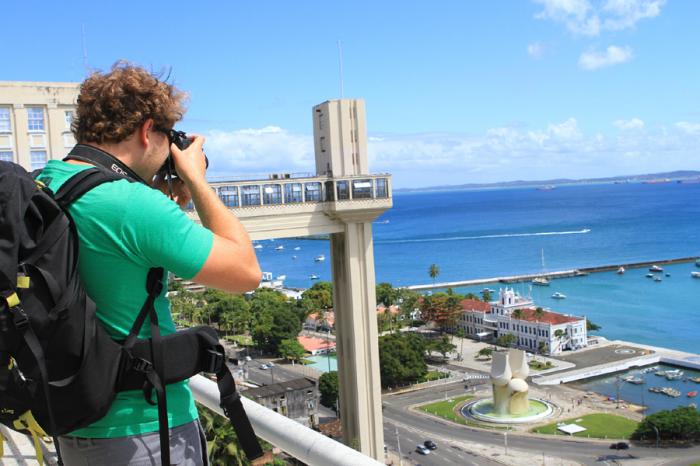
x: 509, y: 370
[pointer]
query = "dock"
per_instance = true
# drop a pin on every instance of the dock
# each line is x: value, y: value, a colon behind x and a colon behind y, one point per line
x: 550, y: 275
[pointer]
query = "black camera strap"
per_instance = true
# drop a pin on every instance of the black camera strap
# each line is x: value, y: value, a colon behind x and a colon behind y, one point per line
x: 95, y: 156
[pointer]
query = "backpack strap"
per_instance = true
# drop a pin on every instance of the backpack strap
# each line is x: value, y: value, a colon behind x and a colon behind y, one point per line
x: 82, y: 182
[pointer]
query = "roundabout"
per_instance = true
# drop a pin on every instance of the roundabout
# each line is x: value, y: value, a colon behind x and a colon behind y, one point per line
x: 483, y: 410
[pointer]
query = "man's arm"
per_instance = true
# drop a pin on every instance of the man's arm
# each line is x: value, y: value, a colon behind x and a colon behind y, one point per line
x: 232, y: 264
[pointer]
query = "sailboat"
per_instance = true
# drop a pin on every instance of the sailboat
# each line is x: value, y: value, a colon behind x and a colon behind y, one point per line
x: 542, y: 280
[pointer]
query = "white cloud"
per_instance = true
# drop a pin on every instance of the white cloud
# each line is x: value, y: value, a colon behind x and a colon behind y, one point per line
x: 536, y: 49
x: 690, y: 128
x: 634, y: 123
x: 613, y: 55
x: 559, y: 149
x: 584, y: 18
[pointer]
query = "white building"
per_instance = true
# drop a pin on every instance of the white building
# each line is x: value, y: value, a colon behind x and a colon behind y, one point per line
x: 35, y: 120
x: 533, y: 328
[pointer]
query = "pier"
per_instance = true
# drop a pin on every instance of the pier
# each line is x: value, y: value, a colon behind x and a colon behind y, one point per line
x: 551, y: 275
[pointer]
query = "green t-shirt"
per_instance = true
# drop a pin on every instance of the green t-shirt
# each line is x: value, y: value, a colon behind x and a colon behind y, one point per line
x: 124, y: 229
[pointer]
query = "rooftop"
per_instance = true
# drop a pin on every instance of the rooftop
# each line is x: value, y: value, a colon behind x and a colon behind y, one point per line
x: 279, y: 388
x: 548, y: 317
x: 311, y: 343
x: 475, y: 305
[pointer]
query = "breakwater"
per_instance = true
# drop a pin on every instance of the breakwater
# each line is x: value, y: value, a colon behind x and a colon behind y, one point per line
x: 550, y: 275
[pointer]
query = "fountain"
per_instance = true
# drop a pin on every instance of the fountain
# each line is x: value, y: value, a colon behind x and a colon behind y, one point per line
x: 511, y: 402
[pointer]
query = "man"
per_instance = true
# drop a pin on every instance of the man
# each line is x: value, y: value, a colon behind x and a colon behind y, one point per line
x: 127, y: 227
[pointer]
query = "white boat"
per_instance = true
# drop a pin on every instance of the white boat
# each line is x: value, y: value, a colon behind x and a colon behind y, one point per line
x: 258, y: 246
x: 281, y: 277
x: 558, y: 295
x: 542, y: 280
x: 621, y: 270
x: 655, y: 268
x: 320, y: 258
x: 634, y: 380
x: 294, y: 257
x: 695, y: 274
x: 657, y: 279
x: 279, y: 248
x: 650, y: 275
x: 297, y: 248
x: 313, y: 277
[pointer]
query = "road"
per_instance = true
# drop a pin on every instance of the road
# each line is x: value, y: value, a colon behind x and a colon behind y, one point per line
x: 418, y: 427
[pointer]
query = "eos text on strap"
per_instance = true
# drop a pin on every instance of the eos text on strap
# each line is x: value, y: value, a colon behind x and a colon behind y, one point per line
x: 95, y: 156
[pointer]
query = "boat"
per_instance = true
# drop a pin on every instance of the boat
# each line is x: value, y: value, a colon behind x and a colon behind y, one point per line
x: 558, y: 295
x: 580, y: 273
x: 281, y: 277
x: 294, y: 257
x: 258, y: 246
x: 674, y: 375
x: 634, y: 380
x: 297, y: 248
x: 621, y: 270
x: 672, y: 392
x: 694, y: 379
x: 319, y: 258
x: 695, y: 274
x: 313, y: 277
x: 667, y: 274
x: 660, y: 373
x: 279, y: 248
x: 650, y: 275
x: 657, y: 278
x: 697, y: 262
x: 655, y: 268
x: 692, y: 394
x: 650, y: 369
x: 541, y: 280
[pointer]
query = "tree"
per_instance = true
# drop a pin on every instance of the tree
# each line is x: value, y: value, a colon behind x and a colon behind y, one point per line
x: 319, y: 296
x: 328, y: 386
x: 591, y: 327
x: 542, y: 347
x: 274, y: 320
x: 442, y: 345
x: 291, y: 349
x: 442, y: 309
x: 461, y: 334
x: 518, y: 314
x: 408, y: 302
x: 232, y: 312
x: 486, y: 296
x: 386, y: 294
x: 433, y: 271
x: 484, y: 352
x: 222, y: 442
x: 506, y: 340
x: 539, y: 313
x: 401, y: 358
x: 682, y: 423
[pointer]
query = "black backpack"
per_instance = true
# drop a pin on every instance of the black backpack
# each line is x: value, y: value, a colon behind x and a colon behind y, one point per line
x: 56, y: 359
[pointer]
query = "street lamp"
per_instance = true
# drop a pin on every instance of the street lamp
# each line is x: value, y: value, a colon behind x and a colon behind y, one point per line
x: 657, y: 433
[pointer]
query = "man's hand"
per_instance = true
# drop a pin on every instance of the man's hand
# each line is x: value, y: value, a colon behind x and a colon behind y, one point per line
x: 190, y: 164
x: 180, y: 191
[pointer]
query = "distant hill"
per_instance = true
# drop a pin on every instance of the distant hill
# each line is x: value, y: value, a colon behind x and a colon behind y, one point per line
x: 674, y: 176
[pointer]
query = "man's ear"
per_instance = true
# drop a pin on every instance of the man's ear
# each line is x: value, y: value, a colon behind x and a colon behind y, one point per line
x: 144, y: 130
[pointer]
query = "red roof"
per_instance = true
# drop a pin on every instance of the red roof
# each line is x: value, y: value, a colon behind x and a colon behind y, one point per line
x: 548, y: 317
x: 311, y: 344
x: 475, y: 305
x: 329, y: 315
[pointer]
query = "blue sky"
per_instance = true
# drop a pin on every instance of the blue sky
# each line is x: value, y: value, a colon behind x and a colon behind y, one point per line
x: 456, y: 91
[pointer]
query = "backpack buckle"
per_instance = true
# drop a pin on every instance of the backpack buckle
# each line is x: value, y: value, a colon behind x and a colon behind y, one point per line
x: 215, y: 361
x: 20, y: 318
x: 141, y: 365
x: 228, y: 401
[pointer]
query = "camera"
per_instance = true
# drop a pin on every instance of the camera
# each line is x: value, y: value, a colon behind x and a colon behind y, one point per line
x: 167, y: 171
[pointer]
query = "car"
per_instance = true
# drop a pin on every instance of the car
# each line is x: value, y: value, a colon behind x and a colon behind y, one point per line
x: 430, y: 445
x: 270, y: 364
x: 264, y: 367
x: 620, y: 446
x: 422, y: 450
x: 248, y: 358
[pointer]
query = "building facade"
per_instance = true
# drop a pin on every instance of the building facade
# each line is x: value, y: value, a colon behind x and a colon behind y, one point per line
x: 35, y: 121
x: 297, y: 399
x: 535, y: 329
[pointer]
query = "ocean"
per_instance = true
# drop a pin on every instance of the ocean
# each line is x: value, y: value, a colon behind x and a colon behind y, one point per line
x: 490, y: 233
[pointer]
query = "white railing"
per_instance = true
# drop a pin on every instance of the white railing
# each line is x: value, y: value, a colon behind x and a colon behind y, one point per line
x: 299, y: 441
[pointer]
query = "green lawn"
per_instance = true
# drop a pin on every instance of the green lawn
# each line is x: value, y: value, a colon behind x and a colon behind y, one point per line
x: 446, y: 409
x: 433, y: 375
x: 598, y: 426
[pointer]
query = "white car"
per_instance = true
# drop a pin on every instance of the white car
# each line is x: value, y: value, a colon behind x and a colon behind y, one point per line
x: 422, y: 449
x: 270, y: 364
x: 264, y: 367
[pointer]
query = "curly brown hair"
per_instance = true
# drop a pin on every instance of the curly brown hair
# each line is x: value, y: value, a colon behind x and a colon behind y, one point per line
x: 111, y: 106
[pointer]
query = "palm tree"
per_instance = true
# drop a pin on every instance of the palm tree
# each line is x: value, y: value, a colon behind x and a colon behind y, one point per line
x: 518, y: 314
x: 434, y: 271
x: 539, y: 312
x: 461, y: 334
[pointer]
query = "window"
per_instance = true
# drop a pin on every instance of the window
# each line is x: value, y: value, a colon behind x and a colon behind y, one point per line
x: 229, y: 196
x: 5, y: 123
x: 68, y: 114
x: 272, y: 194
x: 313, y: 192
x: 362, y: 189
x: 292, y: 193
x: 381, y: 187
x: 38, y: 159
x: 343, y: 189
x: 6, y: 156
x: 35, y: 119
x: 250, y: 195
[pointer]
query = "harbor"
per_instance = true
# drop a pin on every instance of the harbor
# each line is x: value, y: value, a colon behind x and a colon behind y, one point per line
x: 549, y: 275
